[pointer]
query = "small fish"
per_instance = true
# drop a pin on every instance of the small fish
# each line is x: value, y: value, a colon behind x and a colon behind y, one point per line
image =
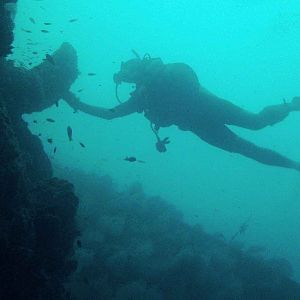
x: 50, y: 120
x: 130, y: 158
x: 70, y: 133
x: 91, y: 74
x: 32, y: 20
x: 50, y: 59
x: 73, y: 20
x: 99, y: 84
x: 35, y: 121
x: 133, y: 159
x: 56, y: 104
x: 34, y: 52
x: 50, y: 141
x: 243, y: 228
x: 79, y: 243
x: 80, y: 90
x: 82, y: 145
x: 27, y: 31
x: 112, y: 109
x: 47, y: 23
x: 54, y: 150
x: 39, y: 134
x: 45, y: 31
x: 30, y: 63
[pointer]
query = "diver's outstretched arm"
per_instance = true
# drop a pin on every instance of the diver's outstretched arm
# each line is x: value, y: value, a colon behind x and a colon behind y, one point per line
x: 119, y: 111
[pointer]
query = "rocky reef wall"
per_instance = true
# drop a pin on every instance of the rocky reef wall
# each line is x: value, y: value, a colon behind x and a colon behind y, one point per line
x: 37, y: 211
x: 6, y: 27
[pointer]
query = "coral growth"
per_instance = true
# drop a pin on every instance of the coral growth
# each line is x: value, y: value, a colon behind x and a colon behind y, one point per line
x: 139, y: 247
x: 37, y: 212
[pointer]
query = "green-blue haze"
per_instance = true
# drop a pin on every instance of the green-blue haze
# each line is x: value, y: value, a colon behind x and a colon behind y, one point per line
x: 244, y: 51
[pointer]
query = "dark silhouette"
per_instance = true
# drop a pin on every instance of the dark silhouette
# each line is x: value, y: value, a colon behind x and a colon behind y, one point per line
x: 170, y: 94
x: 37, y: 211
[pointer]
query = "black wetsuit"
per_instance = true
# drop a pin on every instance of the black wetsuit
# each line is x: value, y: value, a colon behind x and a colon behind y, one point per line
x: 172, y: 95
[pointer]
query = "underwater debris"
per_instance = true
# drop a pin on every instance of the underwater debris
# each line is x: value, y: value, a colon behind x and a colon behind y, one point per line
x: 70, y: 133
x: 50, y: 120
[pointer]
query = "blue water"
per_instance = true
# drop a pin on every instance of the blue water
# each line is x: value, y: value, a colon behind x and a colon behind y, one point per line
x: 244, y: 51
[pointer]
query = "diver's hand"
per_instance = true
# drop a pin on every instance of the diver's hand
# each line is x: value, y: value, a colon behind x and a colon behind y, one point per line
x: 71, y: 99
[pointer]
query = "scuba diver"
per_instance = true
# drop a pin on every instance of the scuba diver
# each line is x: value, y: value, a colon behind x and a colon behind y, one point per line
x: 170, y: 94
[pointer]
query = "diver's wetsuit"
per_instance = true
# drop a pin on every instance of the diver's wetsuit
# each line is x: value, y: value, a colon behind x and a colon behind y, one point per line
x: 172, y: 95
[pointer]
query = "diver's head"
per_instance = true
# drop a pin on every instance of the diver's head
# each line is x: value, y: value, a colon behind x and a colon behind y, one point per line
x: 131, y: 71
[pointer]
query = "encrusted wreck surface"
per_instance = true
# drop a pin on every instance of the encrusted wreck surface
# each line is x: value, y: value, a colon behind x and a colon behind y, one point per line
x: 37, y: 211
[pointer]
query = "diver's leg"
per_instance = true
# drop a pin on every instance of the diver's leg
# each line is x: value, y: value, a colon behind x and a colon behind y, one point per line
x: 231, y: 114
x: 270, y: 115
x: 222, y: 137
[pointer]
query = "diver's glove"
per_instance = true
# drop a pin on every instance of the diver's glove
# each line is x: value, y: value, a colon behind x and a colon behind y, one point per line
x: 161, y: 144
x: 72, y: 100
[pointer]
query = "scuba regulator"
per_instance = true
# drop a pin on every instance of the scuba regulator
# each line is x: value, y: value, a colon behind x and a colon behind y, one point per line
x: 130, y: 72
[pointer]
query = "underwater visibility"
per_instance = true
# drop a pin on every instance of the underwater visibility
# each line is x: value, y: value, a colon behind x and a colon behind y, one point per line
x: 149, y: 150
